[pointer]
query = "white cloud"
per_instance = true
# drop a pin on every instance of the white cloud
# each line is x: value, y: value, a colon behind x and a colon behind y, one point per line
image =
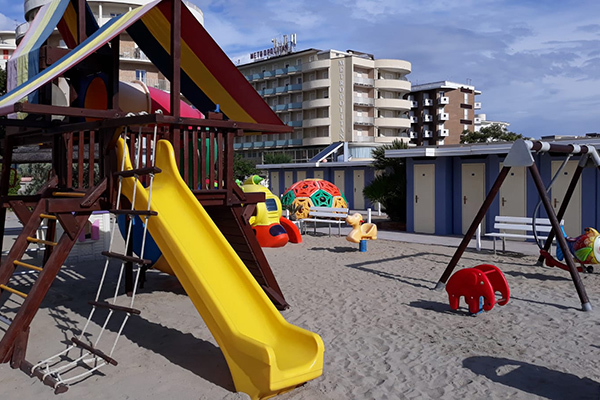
x: 528, y: 58
x: 7, y: 23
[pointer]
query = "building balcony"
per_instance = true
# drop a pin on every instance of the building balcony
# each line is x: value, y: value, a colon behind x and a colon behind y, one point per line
x: 316, y: 103
x: 267, y: 92
x: 363, y: 139
x: 393, y: 104
x: 134, y: 56
x: 316, y: 84
x: 443, y: 100
x: 316, y: 141
x: 413, y: 119
x: 292, y: 69
x: 254, y: 77
x: 478, y: 105
x: 360, y: 81
x: 297, y: 87
x: 363, y: 101
x: 427, y: 134
x: 21, y: 31
x: 161, y: 84
x: 314, y: 122
x: 295, y: 106
x: 315, y: 65
x: 414, y: 104
x: 360, y: 120
x: 268, y: 74
x: 427, y: 118
x: 280, y: 71
x: 443, y: 132
x: 279, y: 107
x: 443, y: 116
x: 398, y: 66
x: 427, y: 102
x: 386, y: 122
x: 396, y: 85
x: 295, y: 124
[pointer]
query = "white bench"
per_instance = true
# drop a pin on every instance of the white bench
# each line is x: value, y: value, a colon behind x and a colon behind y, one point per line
x: 326, y: 215
x: 521, y: 228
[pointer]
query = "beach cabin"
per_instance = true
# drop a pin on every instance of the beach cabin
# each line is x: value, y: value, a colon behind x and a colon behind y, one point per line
x: 446, y: 186
x: 349, y: 176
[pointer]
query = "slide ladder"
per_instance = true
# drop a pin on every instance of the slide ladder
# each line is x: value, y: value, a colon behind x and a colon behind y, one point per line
x: 60, y: 370
x: 14, y: 341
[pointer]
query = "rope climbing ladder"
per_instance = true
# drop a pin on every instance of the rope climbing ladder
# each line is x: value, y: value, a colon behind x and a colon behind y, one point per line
x: 62, y: 369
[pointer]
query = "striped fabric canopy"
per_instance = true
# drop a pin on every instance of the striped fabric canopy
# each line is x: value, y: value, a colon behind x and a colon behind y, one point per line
x: 24, y: 63
x: 208, y: 77
x: 94, y: 42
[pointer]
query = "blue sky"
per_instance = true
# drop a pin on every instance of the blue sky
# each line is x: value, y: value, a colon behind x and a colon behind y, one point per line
x: 536, y: 62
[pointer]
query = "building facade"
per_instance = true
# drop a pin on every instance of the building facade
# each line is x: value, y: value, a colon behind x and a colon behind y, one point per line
x: 330, y: 96
x: 7, y: 47
x: 441, y: 111
x: 481, y: 121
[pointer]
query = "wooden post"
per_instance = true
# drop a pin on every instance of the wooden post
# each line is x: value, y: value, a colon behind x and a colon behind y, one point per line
x: 176, y: 78
x: 478, y: 218
x: 81, y: 31
x: 113, y: 80
x: 537, y: 179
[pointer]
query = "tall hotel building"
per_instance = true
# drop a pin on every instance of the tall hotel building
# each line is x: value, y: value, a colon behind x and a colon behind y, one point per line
x: 441, y: 111
x: 329, y: 97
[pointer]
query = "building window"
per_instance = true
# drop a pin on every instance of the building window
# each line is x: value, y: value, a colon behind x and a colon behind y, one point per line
x: 140, y: 75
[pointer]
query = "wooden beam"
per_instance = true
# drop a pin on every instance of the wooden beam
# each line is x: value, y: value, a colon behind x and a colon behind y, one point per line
x: 560, y: 239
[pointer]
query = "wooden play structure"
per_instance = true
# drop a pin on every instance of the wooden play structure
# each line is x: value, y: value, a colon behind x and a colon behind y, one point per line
x: 520, y: 155
x: 85, y: 172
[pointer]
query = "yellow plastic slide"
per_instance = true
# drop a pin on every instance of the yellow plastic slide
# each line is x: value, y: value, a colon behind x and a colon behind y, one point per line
x: 266, y: 354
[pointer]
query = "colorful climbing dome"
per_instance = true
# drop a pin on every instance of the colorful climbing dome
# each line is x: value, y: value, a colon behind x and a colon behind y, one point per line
x: 313, y: 192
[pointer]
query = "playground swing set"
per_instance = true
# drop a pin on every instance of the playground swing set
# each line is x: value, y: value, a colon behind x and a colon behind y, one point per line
x: 134, y: 150
x: 520, y: 155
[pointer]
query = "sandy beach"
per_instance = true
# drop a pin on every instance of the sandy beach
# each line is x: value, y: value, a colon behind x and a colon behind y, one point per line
x: 387, y: 334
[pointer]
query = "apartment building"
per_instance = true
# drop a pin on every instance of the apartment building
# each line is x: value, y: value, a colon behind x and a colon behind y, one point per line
x: 481, y: 121
x: 7, y: 47
x: 134, y: 65
x: 441, y: 111
x: 329, y: 96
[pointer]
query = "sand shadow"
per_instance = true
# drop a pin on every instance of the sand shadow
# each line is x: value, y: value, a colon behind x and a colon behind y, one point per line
x: 336, y: 249
x: 538, y: 276
x: 443, y: 308
x: 69, y: 295
x: 530, y: 378
x: 559, y: 306
x: 403, y: 279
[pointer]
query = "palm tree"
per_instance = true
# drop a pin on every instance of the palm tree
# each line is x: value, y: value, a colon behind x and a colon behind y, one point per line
x: 389, y: 186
